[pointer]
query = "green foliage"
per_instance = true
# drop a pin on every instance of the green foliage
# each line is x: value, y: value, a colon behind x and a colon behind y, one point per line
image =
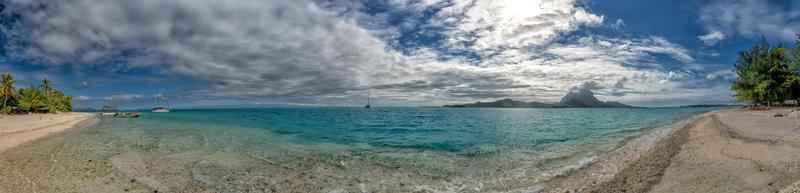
x: 45, y: 86
x: 68, y: 103
x: 57, y: 102
x: 32, y: 99
x: 768, y: 75
x: 6, y: 89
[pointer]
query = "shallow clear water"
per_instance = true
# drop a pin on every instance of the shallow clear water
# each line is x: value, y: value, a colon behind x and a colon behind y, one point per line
x: 327, y: 149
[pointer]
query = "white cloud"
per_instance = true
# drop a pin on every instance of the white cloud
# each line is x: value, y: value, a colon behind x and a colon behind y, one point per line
x: 124, y: 97
x: 752, y: 18
x: 277, y: 47
x: 160, y: 96
x: 488, y: 25
x: 304, y: 52
x: 83, y: 98
x: 712, y: 38
x: 728, y: 75
x: 619, y: 23
x: 81, y: 85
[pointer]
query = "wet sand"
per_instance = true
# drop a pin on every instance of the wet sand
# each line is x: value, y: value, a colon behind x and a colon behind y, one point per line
x: 722, y: 151
x: 18, y: 130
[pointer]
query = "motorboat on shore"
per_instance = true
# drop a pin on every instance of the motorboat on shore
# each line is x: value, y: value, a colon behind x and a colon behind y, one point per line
x: 127, y: 115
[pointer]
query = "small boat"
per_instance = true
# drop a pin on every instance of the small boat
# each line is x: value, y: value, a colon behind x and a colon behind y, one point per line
x: 368, y: 106
x: 160, y: 109
x: 128, y: 115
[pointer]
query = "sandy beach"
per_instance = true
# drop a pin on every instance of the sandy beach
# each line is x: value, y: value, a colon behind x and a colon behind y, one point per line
x: 21, y: 129
x: 721, y: 151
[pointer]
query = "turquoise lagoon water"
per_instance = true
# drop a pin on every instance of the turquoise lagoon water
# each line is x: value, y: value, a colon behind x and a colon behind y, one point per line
x: 335, y: 149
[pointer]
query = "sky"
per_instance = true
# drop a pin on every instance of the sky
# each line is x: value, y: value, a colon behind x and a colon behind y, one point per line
x: 206, y: 53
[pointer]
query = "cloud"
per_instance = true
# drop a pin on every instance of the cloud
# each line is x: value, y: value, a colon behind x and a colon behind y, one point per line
x: 485, y: 26
x: 588, y: 85
x: 125, y: 97
x: 83, y: 98
x: 619, y: 23
x: 160, y: 96
x: 81, y: 85
x: 318, y: 53
x: 279, y: 47
x: 752, y: 18
x: 712, y: 38
x: 728, y: 75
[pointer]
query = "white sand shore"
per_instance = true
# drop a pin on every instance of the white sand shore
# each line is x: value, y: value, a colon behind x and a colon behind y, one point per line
x: 21, y: 129
x: 722, y: 151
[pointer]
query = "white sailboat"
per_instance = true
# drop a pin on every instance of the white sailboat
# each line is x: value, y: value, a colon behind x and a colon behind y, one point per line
x: 368, y: 106
x: 160, y: 109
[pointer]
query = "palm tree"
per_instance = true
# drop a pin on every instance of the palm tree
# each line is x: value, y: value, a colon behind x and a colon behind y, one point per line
x: 29, y: 99
x: 68, y: 102
x: 46, y: 87
x: 56, y: 102
x: 6, y: 88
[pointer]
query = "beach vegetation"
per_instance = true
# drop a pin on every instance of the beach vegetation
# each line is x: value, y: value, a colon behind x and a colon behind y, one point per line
x: 7, y: 91
x: 42, y: 98
x: 29, y: 99
x: 768, y: 75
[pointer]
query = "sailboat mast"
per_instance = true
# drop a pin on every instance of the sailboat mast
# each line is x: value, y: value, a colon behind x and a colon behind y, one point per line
x: 367, y: 98
x: 165, y: 97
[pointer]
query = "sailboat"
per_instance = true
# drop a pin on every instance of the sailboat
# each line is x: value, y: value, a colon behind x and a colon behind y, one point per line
x: 366, y: 107
x: 160, y: 109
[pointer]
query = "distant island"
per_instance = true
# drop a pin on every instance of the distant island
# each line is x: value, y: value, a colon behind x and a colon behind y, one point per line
x: 582, y: 98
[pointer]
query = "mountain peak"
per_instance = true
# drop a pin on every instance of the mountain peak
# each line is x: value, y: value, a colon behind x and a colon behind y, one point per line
x: 576, y: 98
x: 584, y: 97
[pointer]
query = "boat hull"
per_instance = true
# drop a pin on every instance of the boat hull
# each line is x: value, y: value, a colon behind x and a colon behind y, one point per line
x: 129, y: 115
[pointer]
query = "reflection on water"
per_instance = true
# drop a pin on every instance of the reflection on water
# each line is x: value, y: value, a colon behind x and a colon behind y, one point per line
x: 326, y: 150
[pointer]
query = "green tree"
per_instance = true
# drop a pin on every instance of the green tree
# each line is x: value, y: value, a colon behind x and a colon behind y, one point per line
x: 792, y: 88
x: 45, y: 86
x: 765, y: 74
x: 6, y: 90
x: 68, y: 103
x: 53, y: 102
x: 29, y: 99
x: 32, y: 98
x: 792, y: 85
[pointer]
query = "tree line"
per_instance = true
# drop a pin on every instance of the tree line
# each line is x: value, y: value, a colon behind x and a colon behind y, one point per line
x: 42, y: 98
x: 768, y: 75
